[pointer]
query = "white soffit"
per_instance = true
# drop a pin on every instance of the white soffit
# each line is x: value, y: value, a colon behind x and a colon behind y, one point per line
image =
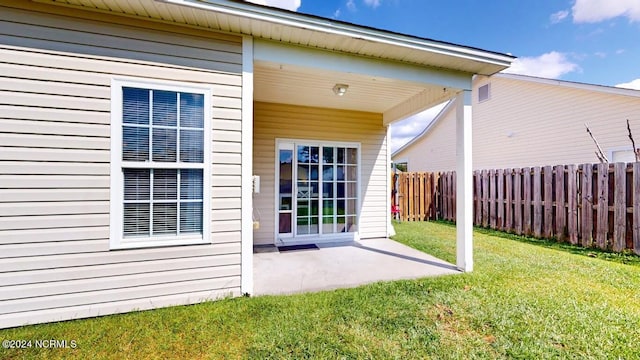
x: 298, y: 86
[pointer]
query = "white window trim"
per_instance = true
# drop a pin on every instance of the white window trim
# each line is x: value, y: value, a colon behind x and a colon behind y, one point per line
x: 316, y: 238
x: 617, y: 149
x: 116, y: 238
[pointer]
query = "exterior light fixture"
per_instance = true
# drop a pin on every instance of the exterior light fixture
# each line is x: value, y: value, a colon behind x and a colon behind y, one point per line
x: 340, y: 89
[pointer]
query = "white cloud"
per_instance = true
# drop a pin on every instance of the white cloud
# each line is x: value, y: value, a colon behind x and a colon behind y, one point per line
x: 592, y: 11
x: 372, y: 3
x: 291, y: 5
x: 550, y: 65
x: 633, y: 84
x: 405, y: 130
x: 558, y: 16
x: 351, y: 5
x: 336, y: 14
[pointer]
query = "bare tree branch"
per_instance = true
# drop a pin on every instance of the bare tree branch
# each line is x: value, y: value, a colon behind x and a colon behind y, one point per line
x: 600, y: 154
x: 636, y: 151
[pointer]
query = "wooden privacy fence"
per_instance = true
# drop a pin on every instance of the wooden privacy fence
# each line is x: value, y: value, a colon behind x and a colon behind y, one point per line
x: 589, y: 205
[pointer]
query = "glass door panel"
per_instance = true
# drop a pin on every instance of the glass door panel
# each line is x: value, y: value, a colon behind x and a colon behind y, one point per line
x: 285, y: 191
x: 308, y: 190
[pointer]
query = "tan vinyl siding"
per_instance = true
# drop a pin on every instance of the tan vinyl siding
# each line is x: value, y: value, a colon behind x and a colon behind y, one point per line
x: 56, y: 67
x: 528, y: 123
x: 436, y: 150
x: 273, y: 121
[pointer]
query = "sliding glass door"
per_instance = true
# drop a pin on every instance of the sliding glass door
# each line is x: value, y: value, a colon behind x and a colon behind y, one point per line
x: 318, y: 189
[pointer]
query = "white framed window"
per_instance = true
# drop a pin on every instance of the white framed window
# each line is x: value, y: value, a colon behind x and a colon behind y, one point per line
x: 160, y: 173
x: 484, y: 92
x: 622, y: 154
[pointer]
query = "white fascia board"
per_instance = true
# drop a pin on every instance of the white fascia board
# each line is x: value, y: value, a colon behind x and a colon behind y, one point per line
x: 279, y: 53
x: 302, y: 21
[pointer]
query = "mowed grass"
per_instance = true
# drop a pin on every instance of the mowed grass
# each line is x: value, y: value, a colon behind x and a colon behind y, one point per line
x: 525, y: 299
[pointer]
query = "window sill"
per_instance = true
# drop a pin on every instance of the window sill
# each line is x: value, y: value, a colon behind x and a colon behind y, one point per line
x: 125, y: 244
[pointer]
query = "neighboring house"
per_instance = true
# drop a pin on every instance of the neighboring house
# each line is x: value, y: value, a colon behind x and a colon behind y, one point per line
x: 130, y: 131
x: 528, y: 121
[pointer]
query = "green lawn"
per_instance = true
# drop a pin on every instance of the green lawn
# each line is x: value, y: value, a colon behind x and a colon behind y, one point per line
x: 526, y: 299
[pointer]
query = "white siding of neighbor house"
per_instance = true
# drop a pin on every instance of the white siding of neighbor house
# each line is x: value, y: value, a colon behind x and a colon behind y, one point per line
x: 56, y: 67
x: 273, y: 121
x: 527, y: 123
x: 436, y: 154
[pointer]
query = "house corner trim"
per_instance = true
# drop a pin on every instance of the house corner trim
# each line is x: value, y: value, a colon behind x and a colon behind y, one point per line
x: 246, y: 269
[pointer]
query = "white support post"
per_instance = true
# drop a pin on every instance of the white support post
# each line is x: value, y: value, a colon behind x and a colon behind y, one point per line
x: 464, y: 183
x: 246, y: 267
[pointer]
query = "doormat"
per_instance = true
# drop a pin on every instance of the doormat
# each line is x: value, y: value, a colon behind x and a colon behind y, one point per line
x: 298, y: 247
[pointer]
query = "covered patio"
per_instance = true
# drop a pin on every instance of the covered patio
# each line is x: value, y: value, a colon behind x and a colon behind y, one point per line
x: 341, y: 265
x: 322, y: 95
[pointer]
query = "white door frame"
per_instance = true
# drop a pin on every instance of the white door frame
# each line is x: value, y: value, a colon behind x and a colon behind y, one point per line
x: 312, y: 238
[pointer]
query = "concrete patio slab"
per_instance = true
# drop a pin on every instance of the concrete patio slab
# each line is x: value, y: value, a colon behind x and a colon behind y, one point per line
x: 342, y: 265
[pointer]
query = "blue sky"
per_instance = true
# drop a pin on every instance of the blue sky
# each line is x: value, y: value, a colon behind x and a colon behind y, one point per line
x: 591, y: 41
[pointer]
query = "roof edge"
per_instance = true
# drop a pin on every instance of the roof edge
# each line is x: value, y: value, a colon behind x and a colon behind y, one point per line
x: 311, y: 22
x: 445, y: 110
x: 571, y: 84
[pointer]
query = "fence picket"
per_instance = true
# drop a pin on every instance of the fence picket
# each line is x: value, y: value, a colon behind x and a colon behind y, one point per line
x: 485, y: 198
x: 561, y: 210
x: 477, y: 216
x: 602, y: 207
x: 587, y: 205
x: 620, y: 207
x: 572, y: 203
x: 537, y: 202
x: 492, y: 198
x: 454, y: 193
x: 548, y: 202
x: 517, y: 201
x: 500, y: 188
x: 636, y: 208
x: 508, y: 218
x: 526, y: 210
